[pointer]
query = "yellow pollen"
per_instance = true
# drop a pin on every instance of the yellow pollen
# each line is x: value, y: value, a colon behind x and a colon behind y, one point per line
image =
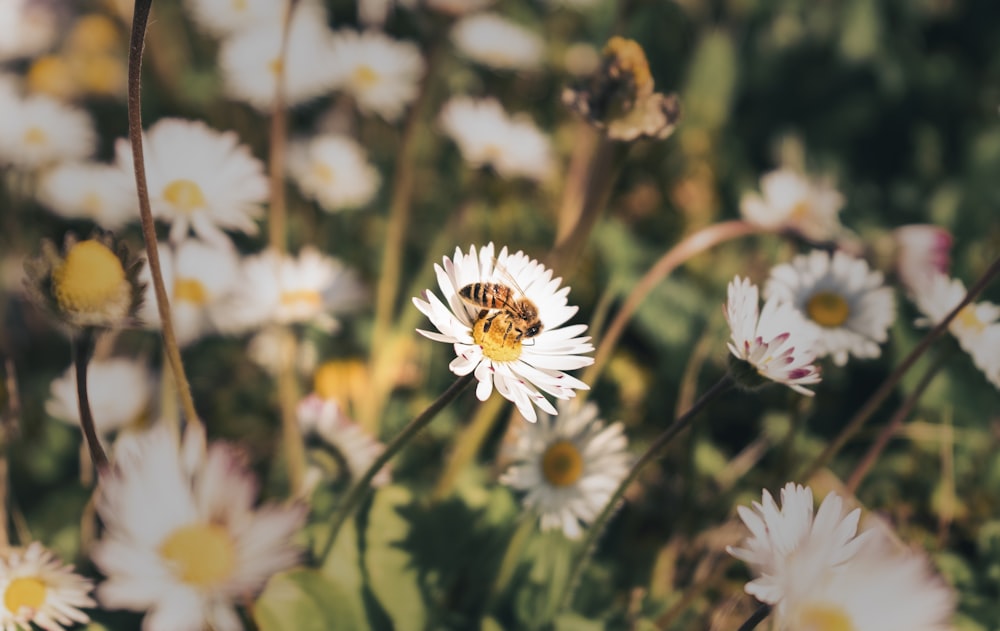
x: 24, y: 592
x: 185, y: 195
x: 968, y: 319
x: 89, y: 277
x: 499, y: 342
x: 307, y: 297
x: 323, y: 173
x: 562, y: 464
x: 365, y: 76
x: 91, y: 203
x: 276, y: 67
x: 629, y: 57
x: 200, y: 554
x: 827, y: 308
x: 190, y: 290
x: 35, y: 136
x: 823, y: 618
x: 800, y: 211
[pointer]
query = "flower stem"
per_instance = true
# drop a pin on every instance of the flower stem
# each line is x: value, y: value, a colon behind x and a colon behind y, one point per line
x: 653, y: 453
x: 756, y: 618
x: 277, y: 213
x: 360, y: 488
x: 83, y: 347
x: 140, y: 17
x: 879, y: 396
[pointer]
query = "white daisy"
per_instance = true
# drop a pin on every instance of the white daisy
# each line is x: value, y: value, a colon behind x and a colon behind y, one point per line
x: 503, y: 352
x: 276, y: 349
x: 222, y: 18
x: 90, y: 190
x: 355, y: 448
x: 38, y: 131
x: 789, y: 545
x: 38, y: 589
x: 841, y: 299
x: 976, y: 327
x: 568, y: 466
x: 792, y: 201
x: 487, y: 136
x: 774, y: 342
x: 199, y: 179
x: 333, y: 170
x: 495, y: 41
x: 183, y: 540
x: 250, y: 60
x: 27, y: 28
x: 382, y: 74
x: 922, y: 252
x: 199, y: 278
x: 119, y: 389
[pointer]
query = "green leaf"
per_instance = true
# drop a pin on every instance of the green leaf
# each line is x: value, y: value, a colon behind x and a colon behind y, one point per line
x: 307, y: 600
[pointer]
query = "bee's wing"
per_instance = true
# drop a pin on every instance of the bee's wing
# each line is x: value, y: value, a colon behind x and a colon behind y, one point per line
x: 507, y: 279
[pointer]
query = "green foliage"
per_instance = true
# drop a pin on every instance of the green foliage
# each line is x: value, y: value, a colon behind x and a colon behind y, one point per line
x: 308, y: 600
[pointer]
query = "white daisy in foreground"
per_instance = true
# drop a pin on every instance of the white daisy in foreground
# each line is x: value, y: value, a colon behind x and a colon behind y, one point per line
x: 99, y: 192
x: 922, y: 252
x: 183, y: 539
x: 792, y: 201
x: 568, y: 466
x: 38, y: 131
x: 846, y: 304
x: 495, y: 41
x: 382, y: 74
x: 355, y: 448
x: 333, y: 170
x: 251, y: 60
x: 119, y: 389
x: 38, y: 589
x: 976, y: 327
x: 227, y: 17
x: 774, y: 343
x: 507, y: 330
x: 487, y: 136
x: 199, y: 179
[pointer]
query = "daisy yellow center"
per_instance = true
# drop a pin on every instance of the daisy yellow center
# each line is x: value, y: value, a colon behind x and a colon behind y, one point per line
x: 190, y: 290
x: 185, y: 195
x: 328, y: 380
x: 323, y: 173
x: 800, y: 211
x: 365, y: 76
x: 969, y: 320
x: 101, y: 73
x: 630, y: 58
x: 823, y: 618
x: 92, y: 203
x: 276, y: 67
x: 49, y: 74
x: 200, y: 554
x: 240, y: 5
x: 89, y: 277
x: 494, y: 332
x: 305, y: 297
x: 827, y: 308
x: 25, y: 592
x: 35, y: 136
x: 94, y: 33
x: 562, y: 464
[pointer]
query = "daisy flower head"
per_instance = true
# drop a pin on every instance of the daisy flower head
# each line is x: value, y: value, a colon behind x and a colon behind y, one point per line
x: 40, y: 590
x: 790, y: 200
x: 27, y: 28
x: 38, y: 131
x: 120, y: 391
x: 90, y: 190
x: 773, y: 343
x: 922, y: 252
x: 844, y: 302
x: 380, y: 72
x: 333, y: 170
x: 568, y: 466
x: 199, y: 179
x: 251, y: 59
x: 494, y: 41
x: 356, y: 449
x: 183, y: 538
x: 222, y: 18
x: 504, y: 315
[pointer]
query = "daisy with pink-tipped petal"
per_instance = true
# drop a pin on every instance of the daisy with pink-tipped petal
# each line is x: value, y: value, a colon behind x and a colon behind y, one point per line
x: 39, y: 590
x: 358, y: 450
x: 922, y: 251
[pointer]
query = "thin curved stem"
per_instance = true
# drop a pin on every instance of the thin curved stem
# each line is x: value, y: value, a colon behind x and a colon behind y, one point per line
x: 83, y: 346
x: 140, y: 17
x: 756, y: 618
x: 651, y: 454
x: 361, y: 487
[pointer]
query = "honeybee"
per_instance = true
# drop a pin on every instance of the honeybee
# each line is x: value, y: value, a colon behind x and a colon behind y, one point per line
x: 514, y: 315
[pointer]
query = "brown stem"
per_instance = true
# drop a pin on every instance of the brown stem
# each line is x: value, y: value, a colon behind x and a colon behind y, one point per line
x: 756, y: 618
x: 83, y: 346
x: 278, y: 217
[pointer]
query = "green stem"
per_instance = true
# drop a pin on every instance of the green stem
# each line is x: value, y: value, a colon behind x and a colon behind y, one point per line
x: 83, y: 346
x: 360, y: 488
x: 651, y: 454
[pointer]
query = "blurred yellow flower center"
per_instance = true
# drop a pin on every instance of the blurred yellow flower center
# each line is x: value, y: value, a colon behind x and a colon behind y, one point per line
x: 240, y: 5
x: 89, y: 277
x: 969, y: 320
x: 35, y: 136
x: 200, y: 554
x: 190, y: 290
x: 823, y: 618
x: 92, y: 204
x: 562, y: 464
x: 323, y: 173
x: 93, y: 33
x: 308, y: 297
x: 49, y: 74
x: 827, y: 308
x: 329, y: 379
x: 629, y: 57
x: 26, y: 591
x: 365, y: 76
x: 276, y: 67
x: 800, y: 211
x: 185, y: 195
x: 495, y: 334
x: 101, y: 74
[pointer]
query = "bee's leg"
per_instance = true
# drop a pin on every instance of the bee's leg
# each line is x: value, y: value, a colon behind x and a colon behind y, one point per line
x: 489, y: 321
x: 510, y: 325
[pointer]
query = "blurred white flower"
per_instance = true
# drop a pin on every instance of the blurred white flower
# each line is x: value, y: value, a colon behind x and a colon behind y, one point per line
x: 846, y: 304
x: 250, y: 60
x: 27, y: 28
x: 922, y: 252
x: 99, y: 192
x: 275, y: 349
x: 222, y: 18
x: 775, y: 342
x: 354, y: 446
x: 495, y: 41
x: 486, y: 135
x: 333, y: 170
x: 500, y: 350
x: 792, y: 201
x: 183, y: 539
x: 199, y: 179
x: 373, y: 13
x: 38, y: 131
x: 120, y: 391
x: 568, y: 466
x: 39, y: 590
x: 382, y: 74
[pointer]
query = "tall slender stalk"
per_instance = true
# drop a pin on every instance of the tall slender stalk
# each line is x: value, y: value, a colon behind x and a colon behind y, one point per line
x: 756, y: 618
x: 83, y: 347
x: 140, y: 17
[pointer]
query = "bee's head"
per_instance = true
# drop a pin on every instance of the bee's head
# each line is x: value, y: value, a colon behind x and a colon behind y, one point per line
x: 533, y: 330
